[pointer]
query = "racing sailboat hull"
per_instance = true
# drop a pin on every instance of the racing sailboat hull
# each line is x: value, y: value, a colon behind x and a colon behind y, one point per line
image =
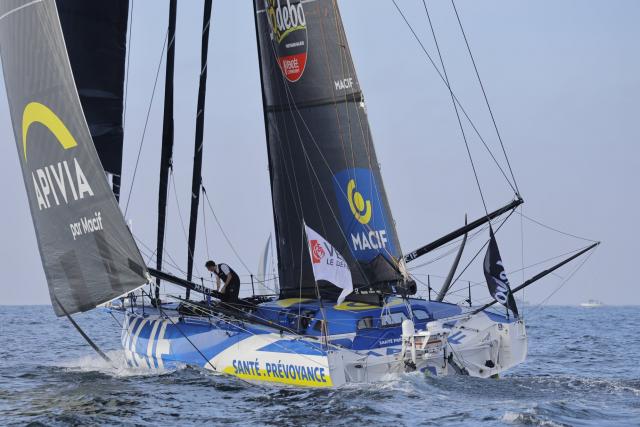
x: 480, y: 345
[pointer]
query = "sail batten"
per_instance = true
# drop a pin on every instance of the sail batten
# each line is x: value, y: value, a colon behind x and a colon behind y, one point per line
x: 324, y: 169
x: 88, y: 253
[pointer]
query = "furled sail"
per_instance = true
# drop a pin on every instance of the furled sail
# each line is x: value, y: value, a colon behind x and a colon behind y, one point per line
x: 95, y: 34
x: 88, y: 254
x: 322, y: 161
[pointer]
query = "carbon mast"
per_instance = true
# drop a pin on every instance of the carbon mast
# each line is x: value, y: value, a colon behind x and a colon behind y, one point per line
x: 95, y: 35
x: 167, y: 140
x: 196, y: 181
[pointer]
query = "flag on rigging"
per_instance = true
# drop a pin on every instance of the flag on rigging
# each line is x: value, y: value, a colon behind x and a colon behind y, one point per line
x: 328, y: 264
x: 497, y: 281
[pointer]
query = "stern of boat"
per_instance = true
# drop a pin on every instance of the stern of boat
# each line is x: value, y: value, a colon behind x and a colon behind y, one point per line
x: 485, y: 345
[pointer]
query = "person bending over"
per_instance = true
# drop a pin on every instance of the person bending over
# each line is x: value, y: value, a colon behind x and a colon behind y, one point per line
x: 229, y: 279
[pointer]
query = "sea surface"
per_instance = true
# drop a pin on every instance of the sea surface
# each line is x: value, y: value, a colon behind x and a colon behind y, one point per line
x: 583, y: 369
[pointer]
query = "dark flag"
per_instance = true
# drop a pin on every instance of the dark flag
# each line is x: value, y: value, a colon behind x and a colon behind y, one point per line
x: 497, y: 281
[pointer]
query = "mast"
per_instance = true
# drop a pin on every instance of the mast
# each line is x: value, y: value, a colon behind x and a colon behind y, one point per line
x: 196, y: 181
x: 167, y: 139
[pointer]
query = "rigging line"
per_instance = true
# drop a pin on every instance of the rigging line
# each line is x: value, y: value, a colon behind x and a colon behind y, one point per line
x: 455, y: 107
x: 366, y: 136
x: 294, y: 107
x: 116, y: 319
x: 564, y: 282
x: 206, y: 196
x: 184, y: 230
x: 146, y: 122
x: 151, y: 256
x: 187, y: 338
x: 291, y: 102
x: 126, y: 73
x: 473, y: 236
x: 484, y: 93
x: 306, y: 155
x: 544, y: 261
x: 244, y: 329
x: 346, y: 62
x: 522, y: 246
x: 204, y: 225
x: 171, y: 262
x: 333, y: 97
x: 464, y: 111
x: 431, y: 261
x: 480, y: 250
x: 304, y: 247
x: 289, y: 169
x: 173, y: 185
x: 81, y: 332
x: 554, y: 229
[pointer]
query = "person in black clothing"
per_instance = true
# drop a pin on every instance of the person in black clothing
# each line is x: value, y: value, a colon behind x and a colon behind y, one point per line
x: 231, y: 287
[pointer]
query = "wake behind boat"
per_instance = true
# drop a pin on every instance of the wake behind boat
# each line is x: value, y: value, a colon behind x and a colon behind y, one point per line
x: 346, y: 309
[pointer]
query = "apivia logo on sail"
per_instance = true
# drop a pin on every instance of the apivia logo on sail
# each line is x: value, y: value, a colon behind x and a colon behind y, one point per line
x: 289, y: 35
x: 61, y: 182
x: 361, y: 210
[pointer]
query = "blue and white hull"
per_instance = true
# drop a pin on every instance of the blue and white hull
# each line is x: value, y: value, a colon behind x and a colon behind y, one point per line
x: 362, y: 347
x: 245, y: 351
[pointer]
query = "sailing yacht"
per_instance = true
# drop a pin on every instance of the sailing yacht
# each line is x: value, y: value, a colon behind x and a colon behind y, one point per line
x: 67, y: 118
x: 592, y: 303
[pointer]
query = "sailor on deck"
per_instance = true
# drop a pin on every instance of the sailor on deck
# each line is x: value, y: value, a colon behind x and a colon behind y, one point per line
x: 224, y: 273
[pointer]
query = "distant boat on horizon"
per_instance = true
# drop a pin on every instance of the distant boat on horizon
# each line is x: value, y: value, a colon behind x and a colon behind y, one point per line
x: 592, y: 303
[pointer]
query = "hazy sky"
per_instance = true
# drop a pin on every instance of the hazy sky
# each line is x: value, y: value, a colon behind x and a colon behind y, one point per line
x: 563, y: 81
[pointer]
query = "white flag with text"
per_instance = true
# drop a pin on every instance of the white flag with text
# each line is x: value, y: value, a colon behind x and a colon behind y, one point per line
x: 328, y: 264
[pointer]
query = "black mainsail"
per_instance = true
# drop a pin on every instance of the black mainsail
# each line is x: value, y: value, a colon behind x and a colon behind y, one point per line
x: 322, y: 160
x: 88, y: 254
x: 95, y: 34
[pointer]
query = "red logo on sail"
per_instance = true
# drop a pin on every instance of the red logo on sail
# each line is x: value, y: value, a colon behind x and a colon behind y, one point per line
x: 317, y: 252
x: 289, y: 34
x: 293, y: 66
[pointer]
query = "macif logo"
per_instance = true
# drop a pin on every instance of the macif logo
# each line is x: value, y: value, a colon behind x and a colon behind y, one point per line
x: 317, y: 253
x: 362, y: 212
x: 54, y: 183
x: 360, y: 209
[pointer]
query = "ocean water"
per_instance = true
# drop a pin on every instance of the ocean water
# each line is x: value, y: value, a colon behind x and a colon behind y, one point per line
x: 583, y: 369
